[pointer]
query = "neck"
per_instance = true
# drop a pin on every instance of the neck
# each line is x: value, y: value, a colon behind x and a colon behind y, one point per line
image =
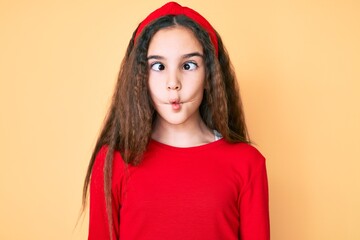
x: 189, y: 134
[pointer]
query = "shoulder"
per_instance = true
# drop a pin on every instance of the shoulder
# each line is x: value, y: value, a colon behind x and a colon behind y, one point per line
x: 101, y: 156
x: 244, y: 158
x: 243, y: 152
x: 118, y: 165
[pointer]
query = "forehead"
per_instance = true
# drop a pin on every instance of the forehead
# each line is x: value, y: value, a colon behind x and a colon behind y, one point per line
x: 174, y: 40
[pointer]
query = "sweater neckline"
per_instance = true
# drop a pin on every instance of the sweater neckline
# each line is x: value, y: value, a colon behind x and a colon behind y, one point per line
x: 203, y: 147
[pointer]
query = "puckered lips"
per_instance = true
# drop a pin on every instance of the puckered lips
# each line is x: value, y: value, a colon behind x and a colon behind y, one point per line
x: 175, y: 104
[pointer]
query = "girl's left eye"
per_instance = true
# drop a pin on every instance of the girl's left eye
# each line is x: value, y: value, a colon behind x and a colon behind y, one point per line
x: 190, y: 66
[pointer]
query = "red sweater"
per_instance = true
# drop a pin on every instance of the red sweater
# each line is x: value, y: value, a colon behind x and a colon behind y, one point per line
x: 214, y: 191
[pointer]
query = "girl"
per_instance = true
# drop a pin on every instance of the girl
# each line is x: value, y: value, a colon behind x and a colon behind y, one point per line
x: 173, y: 160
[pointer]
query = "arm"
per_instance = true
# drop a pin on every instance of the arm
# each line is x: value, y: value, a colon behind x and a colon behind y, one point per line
x: 99, y: 224
x: 254, y: 205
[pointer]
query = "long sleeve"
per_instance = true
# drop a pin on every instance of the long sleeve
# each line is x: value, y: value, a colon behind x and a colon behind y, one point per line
x: 99, y: 225
x: 254, y: 205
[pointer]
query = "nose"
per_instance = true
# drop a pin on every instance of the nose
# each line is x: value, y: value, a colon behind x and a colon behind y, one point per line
x: 173, y: 82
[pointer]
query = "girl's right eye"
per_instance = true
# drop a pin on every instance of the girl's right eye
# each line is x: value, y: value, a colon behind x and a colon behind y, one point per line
x: 157, y: 66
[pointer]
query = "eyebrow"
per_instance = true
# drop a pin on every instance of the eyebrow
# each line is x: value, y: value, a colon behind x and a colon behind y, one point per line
x: 188, y: 55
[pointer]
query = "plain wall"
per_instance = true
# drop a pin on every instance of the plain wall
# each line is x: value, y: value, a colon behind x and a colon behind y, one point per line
x: 298, y: 64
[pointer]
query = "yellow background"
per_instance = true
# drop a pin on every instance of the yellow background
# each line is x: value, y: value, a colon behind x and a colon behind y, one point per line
x: 298, y: 63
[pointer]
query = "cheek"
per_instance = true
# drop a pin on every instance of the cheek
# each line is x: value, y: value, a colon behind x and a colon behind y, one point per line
x: 156, y: 83
x: 155, y: 92
x: 152, y: 85
x: 195, y: 88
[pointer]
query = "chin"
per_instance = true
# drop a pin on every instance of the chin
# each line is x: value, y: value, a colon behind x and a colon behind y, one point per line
x: 174, y: 121
x: 177, y: 118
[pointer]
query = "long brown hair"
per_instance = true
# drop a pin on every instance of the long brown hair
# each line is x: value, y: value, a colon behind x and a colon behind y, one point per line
x: 128, y: 124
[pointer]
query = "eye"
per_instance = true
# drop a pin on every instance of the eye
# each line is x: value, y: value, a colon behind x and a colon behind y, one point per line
x: 157, y: 66
x: 190, y: 66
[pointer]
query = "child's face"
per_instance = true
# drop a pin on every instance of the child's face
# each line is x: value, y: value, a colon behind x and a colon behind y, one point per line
x: 176, y: 75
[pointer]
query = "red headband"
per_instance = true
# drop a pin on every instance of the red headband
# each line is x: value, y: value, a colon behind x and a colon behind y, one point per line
x: 173, y: 8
